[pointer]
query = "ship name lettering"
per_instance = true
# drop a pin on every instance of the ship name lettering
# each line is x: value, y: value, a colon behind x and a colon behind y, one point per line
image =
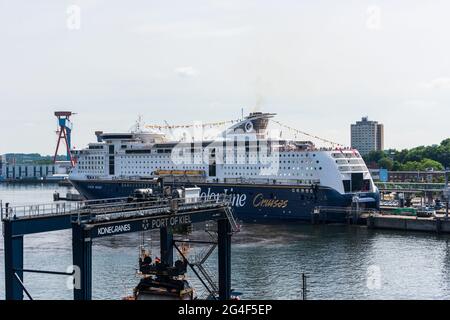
x: 237, y: 199
x: 260, y: 201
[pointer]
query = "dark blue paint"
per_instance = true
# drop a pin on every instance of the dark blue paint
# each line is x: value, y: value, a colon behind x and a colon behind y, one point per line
x: 13, y: 246
x: 300, y: 204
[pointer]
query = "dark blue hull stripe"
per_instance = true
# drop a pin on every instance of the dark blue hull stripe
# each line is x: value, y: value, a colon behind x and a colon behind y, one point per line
x: 250, y: 202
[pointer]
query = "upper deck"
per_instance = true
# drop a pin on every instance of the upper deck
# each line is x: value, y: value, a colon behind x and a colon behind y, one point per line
x: 244, y: 152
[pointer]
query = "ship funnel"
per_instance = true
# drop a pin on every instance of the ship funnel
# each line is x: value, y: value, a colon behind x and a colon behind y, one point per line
x: 99, y: 136
x: 254, y: 123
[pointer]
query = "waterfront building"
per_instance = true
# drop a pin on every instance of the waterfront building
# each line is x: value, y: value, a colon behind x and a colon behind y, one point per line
x: 31, y: 172
x: 28, y: 172
x: 411, y: 176
x: 2, y: 167
x: 367, y: 136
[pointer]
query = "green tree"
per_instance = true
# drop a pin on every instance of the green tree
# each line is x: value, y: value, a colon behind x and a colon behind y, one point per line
x: 427, y: 164
x: 443, y: 153
x: 417, y: 158
x: 386, y: 163
x: 375, y: 156
x: 397, y: 166
x: 400, y: 155
x: 43, y: 162
x: 410, y: 166
x: 424, y: 164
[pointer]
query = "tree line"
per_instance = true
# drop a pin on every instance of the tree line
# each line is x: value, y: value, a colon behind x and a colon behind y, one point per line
x: 31, y: 159
x: 422, y: 158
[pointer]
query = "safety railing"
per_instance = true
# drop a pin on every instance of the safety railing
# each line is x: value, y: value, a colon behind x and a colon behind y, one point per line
x: 37, y: 210
x: 118, y: 206
x: 54, y: 208
x: 164, y: 206
x: 425, y: 186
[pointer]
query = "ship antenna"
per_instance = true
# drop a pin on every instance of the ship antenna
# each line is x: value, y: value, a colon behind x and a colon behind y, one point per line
x: 138, y: 126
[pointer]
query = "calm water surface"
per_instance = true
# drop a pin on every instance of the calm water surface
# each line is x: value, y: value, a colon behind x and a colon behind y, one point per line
x: 342, y: 262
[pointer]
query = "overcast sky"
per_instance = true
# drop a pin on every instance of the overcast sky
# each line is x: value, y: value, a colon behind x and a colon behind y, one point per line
x: 320, y: 65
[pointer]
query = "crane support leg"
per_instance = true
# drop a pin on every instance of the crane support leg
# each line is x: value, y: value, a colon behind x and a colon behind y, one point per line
x: 13, y: 261
x: 82, y: 261
x: 166, y: 240
x: 224, y: 248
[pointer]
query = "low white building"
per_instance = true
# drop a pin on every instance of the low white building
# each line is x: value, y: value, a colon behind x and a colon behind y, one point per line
x: 58, y: 171
x: 15, y: 172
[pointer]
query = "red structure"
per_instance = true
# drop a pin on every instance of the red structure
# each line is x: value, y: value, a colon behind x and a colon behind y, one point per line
x: 64, y: 132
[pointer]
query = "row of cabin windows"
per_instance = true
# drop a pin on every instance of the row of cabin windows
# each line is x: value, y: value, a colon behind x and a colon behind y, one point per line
x: 201, y: 154
x: 198, y: 154
x: 282, y: 168
x: 142, y: 170
x: 142, y: 166
x: 91, y: 167
x: 90, y: 163
x: 237, y: 174
x: 303, y: 190
x: 149, y: 170
x: 223, y: 150
x: 168, y: 162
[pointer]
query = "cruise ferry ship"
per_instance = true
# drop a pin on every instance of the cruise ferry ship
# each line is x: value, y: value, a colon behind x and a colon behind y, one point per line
x: 268, y: 178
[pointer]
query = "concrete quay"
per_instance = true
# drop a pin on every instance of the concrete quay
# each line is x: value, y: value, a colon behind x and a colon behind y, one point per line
x: 436, y: 224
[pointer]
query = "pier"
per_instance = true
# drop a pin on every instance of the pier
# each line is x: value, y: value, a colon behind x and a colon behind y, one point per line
x: 352, y: 215
x: 90, y: 220
x: 437, y: 224
x: 385, y: 218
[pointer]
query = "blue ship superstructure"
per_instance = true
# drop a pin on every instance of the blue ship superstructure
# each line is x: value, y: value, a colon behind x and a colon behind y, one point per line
x: 266, y: 177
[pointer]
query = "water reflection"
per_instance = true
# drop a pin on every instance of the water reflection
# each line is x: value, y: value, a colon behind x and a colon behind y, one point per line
x: 267, y: 260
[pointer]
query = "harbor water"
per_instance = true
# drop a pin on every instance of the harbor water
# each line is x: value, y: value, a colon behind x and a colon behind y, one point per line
x: 340, y: 261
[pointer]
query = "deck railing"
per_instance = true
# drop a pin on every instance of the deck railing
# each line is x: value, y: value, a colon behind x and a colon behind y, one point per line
x: 118, y: 206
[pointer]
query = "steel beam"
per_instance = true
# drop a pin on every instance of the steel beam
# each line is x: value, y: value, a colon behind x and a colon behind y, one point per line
x: 40, y: 224
x: 166, y: 246
x: 82, y: 260
x: 13, y: 250
x: 224, y: 252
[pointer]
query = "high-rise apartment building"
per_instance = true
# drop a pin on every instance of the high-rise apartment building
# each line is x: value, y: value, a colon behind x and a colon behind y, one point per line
x: 367, y: 136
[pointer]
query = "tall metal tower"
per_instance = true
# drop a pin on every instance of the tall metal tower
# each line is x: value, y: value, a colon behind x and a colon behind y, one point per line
x: 64, y: 133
